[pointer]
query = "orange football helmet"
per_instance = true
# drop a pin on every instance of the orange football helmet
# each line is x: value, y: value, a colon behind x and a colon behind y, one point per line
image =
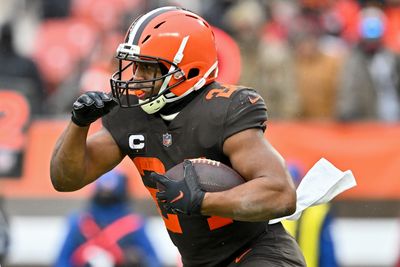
x: 180, y: 43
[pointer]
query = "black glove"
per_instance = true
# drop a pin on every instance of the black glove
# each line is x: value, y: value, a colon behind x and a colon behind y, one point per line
x: 184, y: 196
x: 90, y: 106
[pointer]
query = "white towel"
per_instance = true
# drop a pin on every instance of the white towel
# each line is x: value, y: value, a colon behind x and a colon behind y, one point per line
x: 321, y: 183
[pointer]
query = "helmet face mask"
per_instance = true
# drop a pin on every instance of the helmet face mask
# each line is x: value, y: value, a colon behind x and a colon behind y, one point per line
x: 131, y: 90
x: 178, y: 45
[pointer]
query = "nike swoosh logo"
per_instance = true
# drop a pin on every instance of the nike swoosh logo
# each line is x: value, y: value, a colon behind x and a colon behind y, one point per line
x: 254, y: 100
x: 241, y: 256
x: 180, y: 196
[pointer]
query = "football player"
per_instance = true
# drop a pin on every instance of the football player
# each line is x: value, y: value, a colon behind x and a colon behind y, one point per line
x: 165, y: 108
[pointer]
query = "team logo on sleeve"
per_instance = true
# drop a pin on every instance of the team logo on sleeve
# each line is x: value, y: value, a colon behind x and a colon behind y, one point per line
x: 167, y: 139
x: 137, y: 143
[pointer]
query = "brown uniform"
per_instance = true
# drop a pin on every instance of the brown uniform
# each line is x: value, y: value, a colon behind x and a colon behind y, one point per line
x: 199, y: 130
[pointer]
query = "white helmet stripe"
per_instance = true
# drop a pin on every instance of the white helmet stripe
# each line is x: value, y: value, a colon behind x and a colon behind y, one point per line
x: 143, y: 20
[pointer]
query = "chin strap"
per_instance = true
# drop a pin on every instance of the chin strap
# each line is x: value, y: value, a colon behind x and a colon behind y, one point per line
x: 154, y: 105
x: 169, y: 117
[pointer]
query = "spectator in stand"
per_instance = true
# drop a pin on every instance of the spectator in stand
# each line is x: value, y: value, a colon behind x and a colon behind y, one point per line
x: 392, y: 33
x: 18, y: 72
x: 333, y: 25
x: 246, y: 19
x: 55, y: 9
x: 315, y: 73
x: 301, y: 77
x: 215, y: 13
x: 276, y: 68
x: 107, y: 231
x: 370, y: 80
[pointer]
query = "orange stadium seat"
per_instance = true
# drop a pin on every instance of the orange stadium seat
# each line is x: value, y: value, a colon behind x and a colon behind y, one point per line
x: 392, y: 33
x: 97, y: 75
x: 96, y: 78
x: 106, y: 14
x: 60, y: 45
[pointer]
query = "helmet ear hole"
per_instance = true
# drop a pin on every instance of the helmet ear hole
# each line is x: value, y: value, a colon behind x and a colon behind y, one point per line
x: 163, y: 68
x: 193, y: 73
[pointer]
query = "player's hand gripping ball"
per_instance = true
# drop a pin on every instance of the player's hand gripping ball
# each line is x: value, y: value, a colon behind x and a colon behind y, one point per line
x: 183, y: 187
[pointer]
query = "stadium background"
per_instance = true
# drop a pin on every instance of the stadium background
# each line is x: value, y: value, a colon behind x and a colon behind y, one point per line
x: 62, y: 43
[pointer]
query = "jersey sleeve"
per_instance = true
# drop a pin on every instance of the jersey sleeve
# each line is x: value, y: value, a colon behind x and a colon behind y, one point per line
x: 246, y: 110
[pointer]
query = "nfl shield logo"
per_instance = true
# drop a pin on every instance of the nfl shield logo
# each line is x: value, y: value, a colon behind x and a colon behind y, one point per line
x: 167, y: 139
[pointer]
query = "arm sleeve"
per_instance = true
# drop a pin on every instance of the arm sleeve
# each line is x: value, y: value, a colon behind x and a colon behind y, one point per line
x: 246, y: 110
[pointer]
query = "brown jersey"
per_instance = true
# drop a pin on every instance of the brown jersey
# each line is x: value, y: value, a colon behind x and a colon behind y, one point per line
x: 199, y: 130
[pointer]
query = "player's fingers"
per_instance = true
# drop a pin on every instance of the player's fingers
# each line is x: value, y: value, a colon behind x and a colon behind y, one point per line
x: 169, y: 209
x: 155, y: 177
x: 187, y: 162
x: 111, y: 103
x: 98, y: 102
x: 161, y: 196
x: 77, y: 105
x: 105, y: 97
x: 165, y: 206
x: 188, y: 169
x: 83, y: 100
x: 177, y: 210
x: 108, y: 100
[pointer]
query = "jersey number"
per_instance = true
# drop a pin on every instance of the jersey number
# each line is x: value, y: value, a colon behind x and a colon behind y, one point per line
x: 172, y: 220
x: 226, y: 92
x: 14, y: 117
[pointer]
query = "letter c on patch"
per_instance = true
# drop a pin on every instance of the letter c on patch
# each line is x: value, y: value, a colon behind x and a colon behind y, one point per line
x: 136, y: 141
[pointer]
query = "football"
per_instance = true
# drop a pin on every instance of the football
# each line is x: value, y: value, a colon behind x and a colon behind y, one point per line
x: 213, y: 176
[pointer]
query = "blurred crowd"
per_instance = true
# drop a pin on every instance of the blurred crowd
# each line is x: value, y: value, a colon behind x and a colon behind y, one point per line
x: 328, y: 59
